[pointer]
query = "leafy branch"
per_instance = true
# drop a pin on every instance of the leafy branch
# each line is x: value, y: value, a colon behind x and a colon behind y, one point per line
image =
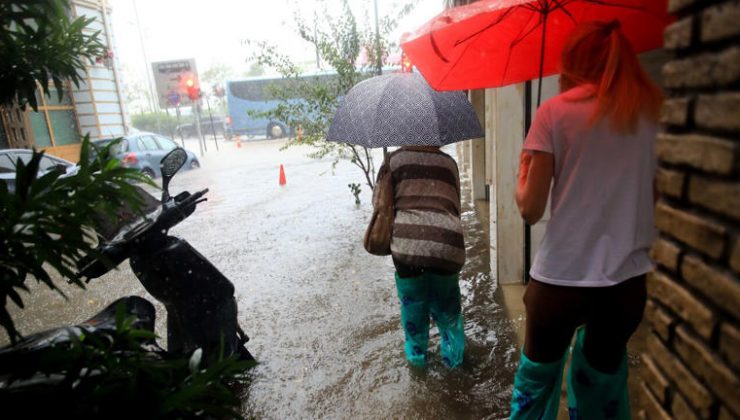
x: 116, y: 373
x: 39, y: 43
x: 43, y: 222
x: 310, y: 103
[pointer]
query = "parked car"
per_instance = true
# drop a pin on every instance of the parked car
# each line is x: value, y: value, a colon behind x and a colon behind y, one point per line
x: 144, y: 151
x: 189, y: 129
x: 9, y: 158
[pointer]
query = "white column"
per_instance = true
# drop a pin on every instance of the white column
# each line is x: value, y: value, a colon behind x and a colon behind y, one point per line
x: 506, y: 120
x: 478, y: 149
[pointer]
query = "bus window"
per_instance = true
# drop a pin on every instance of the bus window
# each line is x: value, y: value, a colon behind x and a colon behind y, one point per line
x: 251, y: 96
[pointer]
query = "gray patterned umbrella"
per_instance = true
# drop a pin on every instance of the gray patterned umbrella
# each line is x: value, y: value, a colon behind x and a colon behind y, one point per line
x: 401, y: 109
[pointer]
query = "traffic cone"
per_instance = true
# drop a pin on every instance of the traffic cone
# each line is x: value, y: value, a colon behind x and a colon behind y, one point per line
x: 282, y: 175
x: 238, y: 143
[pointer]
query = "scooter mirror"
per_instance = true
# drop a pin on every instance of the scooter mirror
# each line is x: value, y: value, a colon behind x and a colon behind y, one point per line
x: 170, y: 164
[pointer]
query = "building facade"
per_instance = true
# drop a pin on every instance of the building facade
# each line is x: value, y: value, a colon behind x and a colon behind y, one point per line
x: 94, y: 108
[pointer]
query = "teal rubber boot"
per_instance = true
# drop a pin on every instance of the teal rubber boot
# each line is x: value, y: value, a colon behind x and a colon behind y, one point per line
x: 536, y: 392
x: 593, y: 394
x: 412, y: 292
x: 446, y: 311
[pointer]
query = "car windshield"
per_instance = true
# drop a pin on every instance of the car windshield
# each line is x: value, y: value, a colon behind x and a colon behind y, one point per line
x: 166, y: 144
x: 7, y: 161
x: 115, y: 150
x: 6, y: 164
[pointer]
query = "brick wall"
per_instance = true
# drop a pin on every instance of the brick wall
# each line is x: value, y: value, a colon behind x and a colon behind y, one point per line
x: 693, y: 351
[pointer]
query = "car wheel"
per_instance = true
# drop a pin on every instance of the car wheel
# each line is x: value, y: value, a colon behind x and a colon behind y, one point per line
x: 275, y: 131
x: 194, y: 164
x: 149, y: 172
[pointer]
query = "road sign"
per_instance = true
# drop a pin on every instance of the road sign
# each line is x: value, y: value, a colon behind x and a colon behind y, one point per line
x: 170, y: 77
x: 174, y: 98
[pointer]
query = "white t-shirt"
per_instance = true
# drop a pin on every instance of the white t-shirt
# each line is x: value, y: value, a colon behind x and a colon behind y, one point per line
x: 601, y: 222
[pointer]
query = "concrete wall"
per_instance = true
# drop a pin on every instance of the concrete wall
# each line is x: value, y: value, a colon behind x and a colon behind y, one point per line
x: 505, y: 133
x: 693, y: 351
x: 477, y: 149
x: 505, y: 127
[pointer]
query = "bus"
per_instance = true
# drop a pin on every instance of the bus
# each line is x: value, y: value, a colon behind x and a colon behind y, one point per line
x: 257, y: 94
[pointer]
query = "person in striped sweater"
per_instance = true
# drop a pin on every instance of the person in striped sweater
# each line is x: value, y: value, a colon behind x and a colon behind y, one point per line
x: 428, y: 250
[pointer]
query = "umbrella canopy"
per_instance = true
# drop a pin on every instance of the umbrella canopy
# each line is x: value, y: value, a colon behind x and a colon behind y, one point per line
x: 493, y: 43
x: 401, y: 109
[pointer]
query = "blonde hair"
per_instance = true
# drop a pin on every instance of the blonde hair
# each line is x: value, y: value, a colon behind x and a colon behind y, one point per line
x: 599, y: 54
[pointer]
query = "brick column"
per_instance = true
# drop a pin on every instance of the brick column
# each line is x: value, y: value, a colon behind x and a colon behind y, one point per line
x: 693, y: 350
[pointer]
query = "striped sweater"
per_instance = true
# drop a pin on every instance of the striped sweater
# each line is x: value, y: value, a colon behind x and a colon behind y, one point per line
x: 427, y: 231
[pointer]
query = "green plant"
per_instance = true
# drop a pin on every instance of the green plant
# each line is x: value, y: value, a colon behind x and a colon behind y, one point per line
x: 114, y: 374
x: 47, y: 226
x: 39, y: 42
x: 339, y: 40
x: 43, y: 222
x: 255, y: 69
x: 158, y: 122
x: 356, y: 190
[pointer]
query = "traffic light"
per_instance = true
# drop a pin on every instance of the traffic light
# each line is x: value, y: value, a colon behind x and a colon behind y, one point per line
x: 406, y: 65
x: 190, y: 85
x: 193, y: 93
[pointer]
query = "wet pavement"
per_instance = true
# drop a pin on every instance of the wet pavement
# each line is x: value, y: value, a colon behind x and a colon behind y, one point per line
x: 322, y: 314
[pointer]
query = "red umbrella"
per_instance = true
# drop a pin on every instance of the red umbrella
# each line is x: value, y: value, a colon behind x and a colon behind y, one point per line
x: 494, y: 43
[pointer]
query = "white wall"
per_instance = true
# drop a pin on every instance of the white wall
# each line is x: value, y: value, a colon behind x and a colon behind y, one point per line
x: 477, y: 149
x: 505, y: 133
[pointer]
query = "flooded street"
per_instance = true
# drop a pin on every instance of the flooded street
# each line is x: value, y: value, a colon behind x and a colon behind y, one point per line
x: 322, y: 313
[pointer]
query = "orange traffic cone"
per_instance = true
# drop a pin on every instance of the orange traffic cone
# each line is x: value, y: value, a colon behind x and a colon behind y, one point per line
x: 282, y: 175
x: 238, y: 143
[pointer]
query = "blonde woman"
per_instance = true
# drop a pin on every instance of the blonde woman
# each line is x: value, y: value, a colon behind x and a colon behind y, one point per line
x: 590, y: 149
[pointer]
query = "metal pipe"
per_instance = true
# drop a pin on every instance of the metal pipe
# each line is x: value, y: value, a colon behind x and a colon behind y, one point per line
x: 378, y: 57
x: 152, y: 92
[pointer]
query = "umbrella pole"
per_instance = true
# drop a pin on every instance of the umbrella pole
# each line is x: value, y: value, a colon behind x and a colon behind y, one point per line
x: 528, y: 228
x: 527, y: 124
x: 542, y: 56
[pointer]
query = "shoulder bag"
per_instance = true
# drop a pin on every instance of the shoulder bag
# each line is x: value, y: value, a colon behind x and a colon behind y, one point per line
x: 378, y: 235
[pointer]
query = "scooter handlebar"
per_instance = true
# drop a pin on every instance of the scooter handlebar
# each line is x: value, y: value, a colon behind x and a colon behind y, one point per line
x: 192, y: 198
x: 181, y: 206
x: 110, y: 255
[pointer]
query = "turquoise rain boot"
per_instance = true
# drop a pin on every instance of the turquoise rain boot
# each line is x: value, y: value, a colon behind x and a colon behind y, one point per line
x: 446, y: 310
x: 593, y: 394
x: 412, y: 292
x: 452, y: 343
x: 537, y: 389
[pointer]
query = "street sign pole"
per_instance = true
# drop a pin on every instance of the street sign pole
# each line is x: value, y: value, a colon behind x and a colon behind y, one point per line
x: 177, y: 112
x: 169, y: 125
x: 213, y: 128
x: 196, y: 108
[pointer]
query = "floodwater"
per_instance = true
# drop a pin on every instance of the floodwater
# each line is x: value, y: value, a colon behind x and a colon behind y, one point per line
x: 322, y: 314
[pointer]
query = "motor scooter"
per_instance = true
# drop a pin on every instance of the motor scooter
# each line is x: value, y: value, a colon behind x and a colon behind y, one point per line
x: 200, y: 303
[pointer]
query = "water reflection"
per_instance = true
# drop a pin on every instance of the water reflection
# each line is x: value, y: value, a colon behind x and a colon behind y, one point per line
x: 322, y: 313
